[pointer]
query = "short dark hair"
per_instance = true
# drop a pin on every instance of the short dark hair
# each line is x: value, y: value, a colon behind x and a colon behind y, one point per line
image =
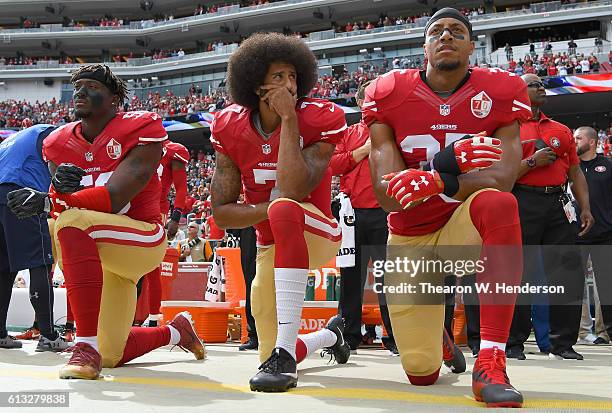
x: 104, y: 75
x: 248, y: 66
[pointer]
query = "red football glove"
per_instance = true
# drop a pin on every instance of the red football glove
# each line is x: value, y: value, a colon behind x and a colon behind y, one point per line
x: 411, y: 185
x: 477, y: 152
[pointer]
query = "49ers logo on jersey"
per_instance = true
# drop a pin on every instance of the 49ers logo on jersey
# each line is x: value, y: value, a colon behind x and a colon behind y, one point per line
x: 113, y: 149
x: 481, y: 105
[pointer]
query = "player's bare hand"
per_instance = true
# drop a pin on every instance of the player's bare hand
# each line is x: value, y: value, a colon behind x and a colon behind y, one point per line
x: 280, y: 99
x: 587, y: 221
x: 544, y: 157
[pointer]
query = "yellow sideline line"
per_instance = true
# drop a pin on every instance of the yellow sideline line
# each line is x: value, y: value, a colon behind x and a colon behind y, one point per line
x: 332, y: 393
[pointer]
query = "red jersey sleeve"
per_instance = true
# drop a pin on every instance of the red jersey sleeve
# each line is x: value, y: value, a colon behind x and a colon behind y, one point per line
x: 219, y: 127
x: 53, y: 145
x: 376, y: 93
x: 573, y: 155
x: 146, y: 126
x: 179, y: 153
x: 324, y: 117
x: 342, y: 160
x: 514, y: 103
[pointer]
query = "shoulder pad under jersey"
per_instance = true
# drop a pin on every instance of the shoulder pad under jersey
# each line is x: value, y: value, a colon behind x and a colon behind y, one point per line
x: 53, y: 145
x: 179, y: 152
x: 226, y: 117
x: 499, y: 84
x: 382, y: 89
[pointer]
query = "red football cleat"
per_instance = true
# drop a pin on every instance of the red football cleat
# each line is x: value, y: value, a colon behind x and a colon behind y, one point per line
x: 189, y: 338
x: 85, y: 363
x: 30, y: 334
x: 453, y: 357
x: 490, y: 383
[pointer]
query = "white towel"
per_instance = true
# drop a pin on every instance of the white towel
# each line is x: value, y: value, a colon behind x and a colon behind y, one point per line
x: 215, y: 280
x: 346, y: 254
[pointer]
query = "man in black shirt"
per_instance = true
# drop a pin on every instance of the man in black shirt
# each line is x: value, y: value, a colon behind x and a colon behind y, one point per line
x: 597, y: 242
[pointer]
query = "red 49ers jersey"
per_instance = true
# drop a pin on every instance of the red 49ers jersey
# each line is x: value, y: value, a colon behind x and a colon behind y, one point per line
x: 172, y: 152
x: 233, y: 134
x: 102, y: 157
x: 423, y: 124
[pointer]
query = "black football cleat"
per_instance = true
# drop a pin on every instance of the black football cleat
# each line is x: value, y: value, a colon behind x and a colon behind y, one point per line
x: 515, y: 352
x: 490, y: 383
x: 277, y: 374
x: 453, y: 357
x: 568, y: 354
x: 341, y: 350
x: 251, y: 344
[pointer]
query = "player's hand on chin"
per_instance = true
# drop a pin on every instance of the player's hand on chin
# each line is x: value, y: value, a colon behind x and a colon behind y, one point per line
x: 412, y: 187
x: 280, y: 100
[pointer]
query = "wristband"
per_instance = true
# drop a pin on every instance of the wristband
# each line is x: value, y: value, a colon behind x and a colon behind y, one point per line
x: 93, y: 199
x: 451, y: 184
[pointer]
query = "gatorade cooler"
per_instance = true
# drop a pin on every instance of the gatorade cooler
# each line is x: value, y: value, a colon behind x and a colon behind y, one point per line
x: 315, y: 315
x: 210, y: 318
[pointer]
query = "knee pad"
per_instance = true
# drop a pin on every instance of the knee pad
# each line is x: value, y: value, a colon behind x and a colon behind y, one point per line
x: 69, y: 218
x: 285, y: 211
x: 420, y: 363
x: 493, y: 209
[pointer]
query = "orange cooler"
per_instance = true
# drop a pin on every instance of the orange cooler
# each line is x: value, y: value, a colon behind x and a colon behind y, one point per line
x: 210, y: 318
x: 315, y: 315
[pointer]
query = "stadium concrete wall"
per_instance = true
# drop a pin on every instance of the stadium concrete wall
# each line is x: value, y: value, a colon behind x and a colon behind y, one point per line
x: 30, y: 89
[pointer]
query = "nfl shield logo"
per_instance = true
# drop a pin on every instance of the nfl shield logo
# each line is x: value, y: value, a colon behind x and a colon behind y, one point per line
x: 266, y: 149
x: 89, y: 156
x: 445, y: 110
x: 481, y: 105
x: 113, y: 149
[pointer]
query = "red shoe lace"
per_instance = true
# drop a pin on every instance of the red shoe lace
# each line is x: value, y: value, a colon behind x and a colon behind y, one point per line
x: 495, y: 367
x: 83, y: 354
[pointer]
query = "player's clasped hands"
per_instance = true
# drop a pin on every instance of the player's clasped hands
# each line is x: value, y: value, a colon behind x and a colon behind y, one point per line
x: 413, y: 185
x: 279, y: 98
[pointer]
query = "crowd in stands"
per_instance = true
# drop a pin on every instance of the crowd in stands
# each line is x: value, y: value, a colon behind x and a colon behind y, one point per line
x: 550, y: 63
x: 385, y: 20
x: 337, y: 86
x: 199, y: 175
x: 13, y: 112
x: 171, y: 105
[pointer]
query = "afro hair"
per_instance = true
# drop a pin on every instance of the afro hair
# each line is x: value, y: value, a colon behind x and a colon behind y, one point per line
x: 248, y: 66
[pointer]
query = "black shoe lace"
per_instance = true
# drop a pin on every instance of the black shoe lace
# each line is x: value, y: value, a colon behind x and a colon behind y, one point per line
x: 271, y: 364
x: 328, y: 351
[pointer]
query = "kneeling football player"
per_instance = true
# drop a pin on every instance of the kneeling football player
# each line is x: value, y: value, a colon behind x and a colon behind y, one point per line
x: 278, y: 144
x: 108, y: 231
x: 422, y: 172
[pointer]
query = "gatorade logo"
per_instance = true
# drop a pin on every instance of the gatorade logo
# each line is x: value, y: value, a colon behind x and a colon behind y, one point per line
x: 166, y: 269
x: 313, y: 324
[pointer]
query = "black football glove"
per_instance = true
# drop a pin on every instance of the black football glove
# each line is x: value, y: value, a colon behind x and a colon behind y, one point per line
x: 28, y: 202
x: 67, y: 178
